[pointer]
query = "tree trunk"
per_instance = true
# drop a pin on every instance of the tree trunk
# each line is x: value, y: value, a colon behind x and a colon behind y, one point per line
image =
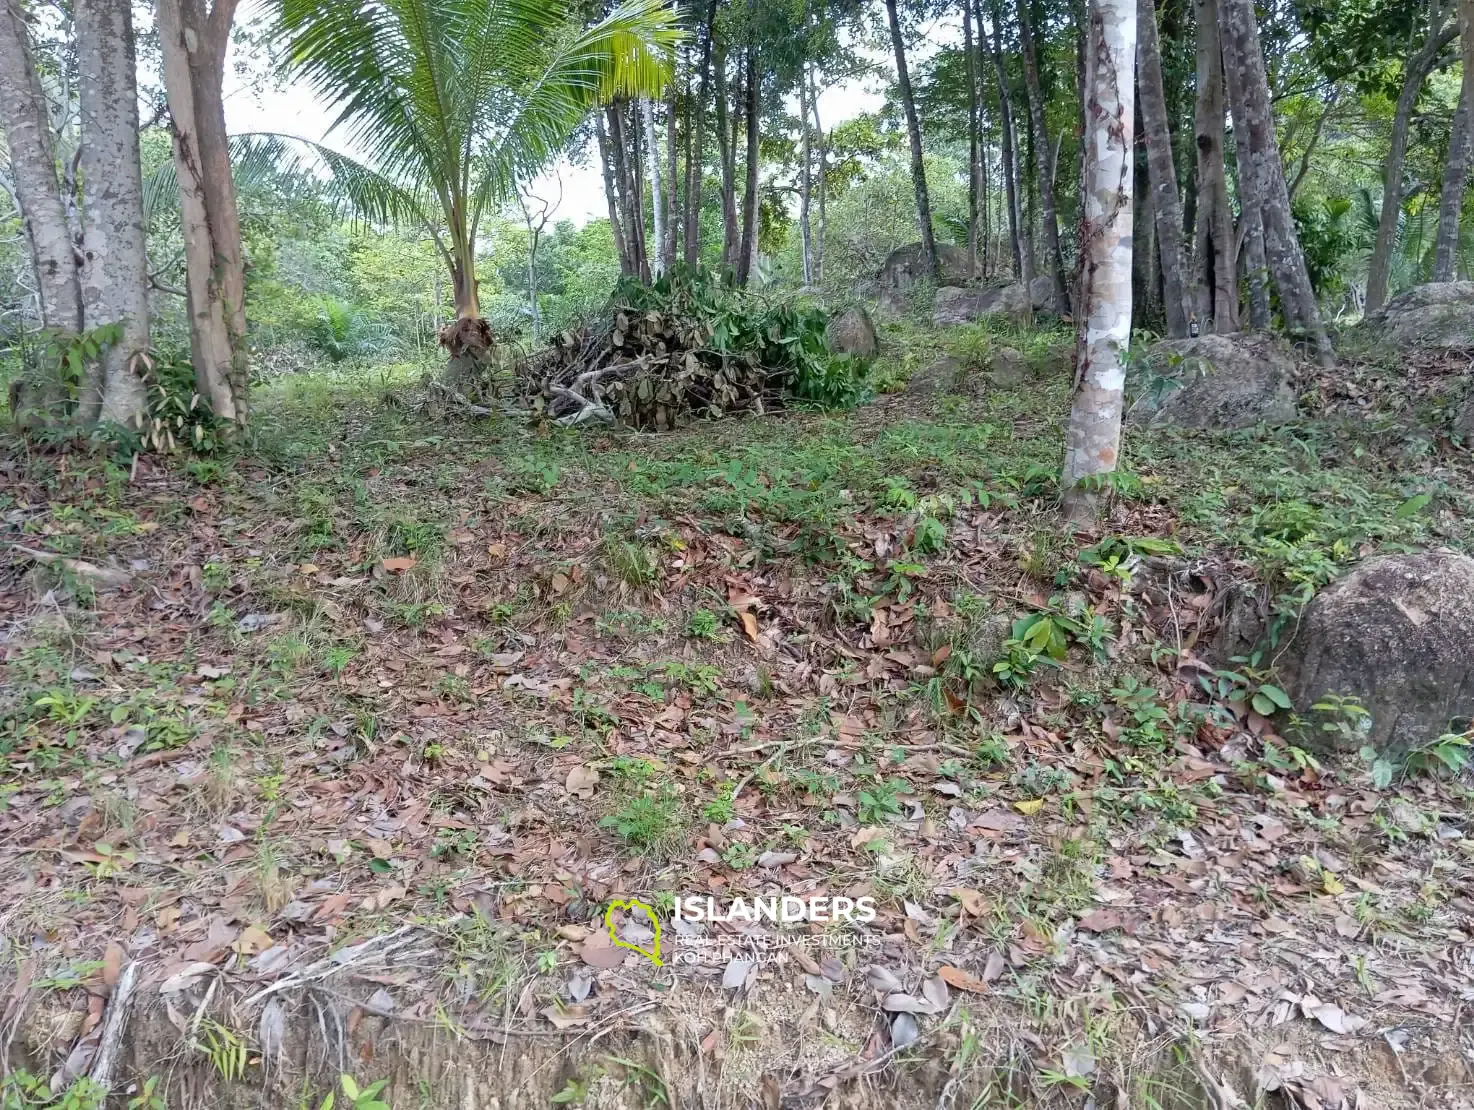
x: 1281, y: 244
x: 33, y: 165
x: 1043, y: 162
x: 929, y: 262
x: 657, y: 205
x: 611, y: 195
x: 114, y: 271
x: 1161, y: 173
x: 1415, y: 73
x: 805, y: 183
x: 194, y: 42
x: 1445, y: 260
x: 626, y: 168
x: 1142, y: 274
x: 973, y: 124
x: 1103, y: 323
x: 694, y: 177
x: 726, y: 142
x: 673, y: 172
x: 1249, y: 235
x: 1214, y: 268
x: 1006, y: 146
x: 823, y: 178
x: 748, y: 252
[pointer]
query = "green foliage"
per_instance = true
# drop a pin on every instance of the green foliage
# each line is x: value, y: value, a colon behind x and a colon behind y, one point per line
x: 178, y: 418
x: 785, y: 338
x: 356, y: 1097
x: 647, y: 818
x: 1445, y: 757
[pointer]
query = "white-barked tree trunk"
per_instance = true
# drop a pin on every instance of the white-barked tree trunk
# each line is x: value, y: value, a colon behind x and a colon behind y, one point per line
x: 1103, y: 313
x: 114, y: 261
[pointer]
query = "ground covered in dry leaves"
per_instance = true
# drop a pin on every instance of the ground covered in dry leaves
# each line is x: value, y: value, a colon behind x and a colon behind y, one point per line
x: 390, y: 706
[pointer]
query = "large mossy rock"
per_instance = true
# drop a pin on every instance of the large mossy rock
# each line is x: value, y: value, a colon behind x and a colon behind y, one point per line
x: 852, y: 332
x: 964, y: 305
x: 903, y: 270
x: 1440, y: 314
x: 1397, y: 633
x: 1216, y: 382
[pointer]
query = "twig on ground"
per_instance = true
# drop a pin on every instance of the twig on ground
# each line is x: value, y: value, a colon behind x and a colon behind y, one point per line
x: 110, y: 1047
x: 111, y: 577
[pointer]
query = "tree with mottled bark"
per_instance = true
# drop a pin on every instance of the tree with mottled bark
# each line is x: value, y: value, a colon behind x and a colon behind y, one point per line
x: 194, y: 35
x: 929, y: 261
x: 1215, y: 276
x: 1103, y: 322
x: 114, y: 259
x: 28, y: 134
x: 1455, y: 173
x: 1440, y: 33
x: 1262, y: 176
x: 1166, y: 208
x: 1044, y: 164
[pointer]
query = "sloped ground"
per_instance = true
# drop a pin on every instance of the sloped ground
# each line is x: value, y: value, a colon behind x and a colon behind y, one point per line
x: 392, y: 706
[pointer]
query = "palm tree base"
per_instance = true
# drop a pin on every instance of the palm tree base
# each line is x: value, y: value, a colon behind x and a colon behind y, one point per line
x: 471, y: 349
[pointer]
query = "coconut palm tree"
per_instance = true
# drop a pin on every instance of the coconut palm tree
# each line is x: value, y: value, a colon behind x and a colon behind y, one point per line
x: 454, y: 102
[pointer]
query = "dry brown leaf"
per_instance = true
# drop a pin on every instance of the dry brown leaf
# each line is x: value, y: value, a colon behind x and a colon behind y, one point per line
x: 962, y: 980
x: 749, y: 624
x: 399, y: 564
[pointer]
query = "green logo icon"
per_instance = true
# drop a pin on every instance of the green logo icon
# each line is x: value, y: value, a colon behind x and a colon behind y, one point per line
x: 629, y: 905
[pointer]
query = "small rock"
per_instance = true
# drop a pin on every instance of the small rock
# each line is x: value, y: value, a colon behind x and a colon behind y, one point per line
x: 1007, y: 368
x: 942, y: 376
x: 853, y: 333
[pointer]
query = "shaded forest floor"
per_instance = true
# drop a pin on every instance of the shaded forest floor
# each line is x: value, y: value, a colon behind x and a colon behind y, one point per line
x: 459, y: 684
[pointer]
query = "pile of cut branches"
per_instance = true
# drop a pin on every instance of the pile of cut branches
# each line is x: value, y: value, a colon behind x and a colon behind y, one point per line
x: 682, y: 349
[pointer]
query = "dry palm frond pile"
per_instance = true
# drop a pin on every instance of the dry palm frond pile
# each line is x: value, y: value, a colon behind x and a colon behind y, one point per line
x: 687, y: 348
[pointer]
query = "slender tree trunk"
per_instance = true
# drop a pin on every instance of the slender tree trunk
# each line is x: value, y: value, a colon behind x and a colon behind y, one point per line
x: 657, y: 205
x: 1007, y: 146
x: 748, y: 255
x: 194, y: 41
x: 1415, y: 73
x: 929, y: 261
x: 823, y: 178
x: 114, y: 272
x: 1044, y: 166
x: 974, y: 171
x: 33, y: 165
x: 1103, y: 323
x: 1142, y: 274
x: 805, y: 184
x: 1455, y: 173
x: 611, y: 194
x: 1249, y: 235
x: 626, y: 164
x: 1215, y: 269
x: 1161, y: 172
x: 726, y: 142
x: 694, y: 177
x: 673, y: 170
x: 1282, y: 246
x: 986, y: 230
